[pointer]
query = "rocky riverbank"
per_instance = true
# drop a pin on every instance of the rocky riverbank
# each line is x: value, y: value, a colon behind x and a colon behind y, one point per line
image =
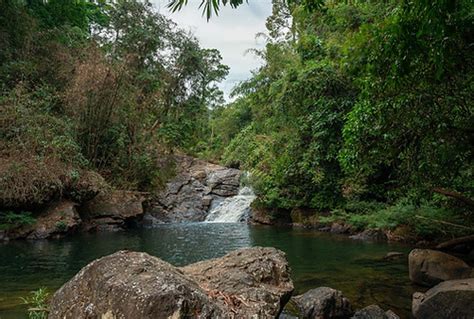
x: 246, y: 283
x: 197, y: 187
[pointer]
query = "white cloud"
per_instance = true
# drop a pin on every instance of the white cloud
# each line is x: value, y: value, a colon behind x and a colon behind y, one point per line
x: 232, y: 32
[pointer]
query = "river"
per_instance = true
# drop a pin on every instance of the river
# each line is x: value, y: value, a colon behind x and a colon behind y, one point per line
x: 316, y: 259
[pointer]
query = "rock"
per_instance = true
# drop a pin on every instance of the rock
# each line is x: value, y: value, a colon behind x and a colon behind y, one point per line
x: 224, y: 182
x: 261, y: 216
x: 304, y: 217
x: 57, y: 220
x: 323, y: 303
x: 392, y: 255
x: 340, y: 228
x: 248, y: 283
x: 131, y: 285
x: 256, y: 279
x: 269, y: 216
x: 370, y: 235
x: 191, y: 194
x: 374, y: 312
x: 430, y: 267
x: 111, y: 211
x: 3, y: 235
x: 449, y: 299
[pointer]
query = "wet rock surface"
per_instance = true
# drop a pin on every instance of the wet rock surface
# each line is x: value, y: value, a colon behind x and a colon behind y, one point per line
x: 449, y: 299
x: 323, y: 303
x: 248, y: 283
x: 429, y: 267
x: 191, y: 194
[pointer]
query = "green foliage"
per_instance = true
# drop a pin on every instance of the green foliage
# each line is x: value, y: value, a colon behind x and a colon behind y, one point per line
x: 361, y: 108
x: 61, y: 226
x: 11, y: 220
x: 427, y: 220
x: 37, y: 304
x: 85, y: 85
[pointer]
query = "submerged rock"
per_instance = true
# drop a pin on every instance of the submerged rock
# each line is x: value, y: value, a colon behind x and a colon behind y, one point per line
x: 449, y: 299
x: 430, y: 267
x: 256, y: 280
x: 248, y: 283
x: 374, y: 312
x: 323, y: 303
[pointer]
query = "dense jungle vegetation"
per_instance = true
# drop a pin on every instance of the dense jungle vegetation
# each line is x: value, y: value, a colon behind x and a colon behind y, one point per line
x: 92, y: 91
x: 362, y: 111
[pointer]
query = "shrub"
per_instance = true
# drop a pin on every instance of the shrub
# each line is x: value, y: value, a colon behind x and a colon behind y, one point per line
x: 37, y: 303
x: 11, y: 220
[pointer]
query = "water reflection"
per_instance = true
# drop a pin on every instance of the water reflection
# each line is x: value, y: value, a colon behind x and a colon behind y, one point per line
x: 316, y: 259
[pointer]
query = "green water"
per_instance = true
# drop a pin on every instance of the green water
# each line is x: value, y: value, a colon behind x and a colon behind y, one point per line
x: 316, y: 259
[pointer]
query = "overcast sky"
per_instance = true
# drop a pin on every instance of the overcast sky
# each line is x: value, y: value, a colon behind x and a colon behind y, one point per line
x: 232, y: 33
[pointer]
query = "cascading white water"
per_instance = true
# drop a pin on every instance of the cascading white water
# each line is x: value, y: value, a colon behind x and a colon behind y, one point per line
x: 233, y: 209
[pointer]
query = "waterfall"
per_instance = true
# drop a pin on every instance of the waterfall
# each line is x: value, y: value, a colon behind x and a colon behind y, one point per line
x: 233, y: 209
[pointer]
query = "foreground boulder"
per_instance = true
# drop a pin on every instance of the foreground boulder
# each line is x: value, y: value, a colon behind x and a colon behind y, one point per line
x: 430, y: 267
x: 449, y: 299
x: 131, y: 285
x: 257, y: 280
x: 245, y: 283
x: 374, y: 312
x: 323, y: 303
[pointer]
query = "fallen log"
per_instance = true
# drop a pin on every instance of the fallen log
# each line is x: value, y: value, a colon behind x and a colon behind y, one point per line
x: 456, y: 241
x: 455, y: 195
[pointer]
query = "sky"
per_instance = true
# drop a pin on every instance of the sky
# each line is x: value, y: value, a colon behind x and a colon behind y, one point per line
x: 232, y: 32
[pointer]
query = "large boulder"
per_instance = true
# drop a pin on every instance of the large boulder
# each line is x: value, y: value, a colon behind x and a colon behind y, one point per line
x: 449, y: 299
x: 131, y: 285
x: 248, y: 283
x: 255, y: 281
x: 430, y: 267
x: 190, y: 195
x: 374, y: 312
x: 323, y: 303
x: 112, y: 210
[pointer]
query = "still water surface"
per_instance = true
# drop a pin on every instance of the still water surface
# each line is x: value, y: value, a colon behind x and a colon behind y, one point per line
x: 316, y: 259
